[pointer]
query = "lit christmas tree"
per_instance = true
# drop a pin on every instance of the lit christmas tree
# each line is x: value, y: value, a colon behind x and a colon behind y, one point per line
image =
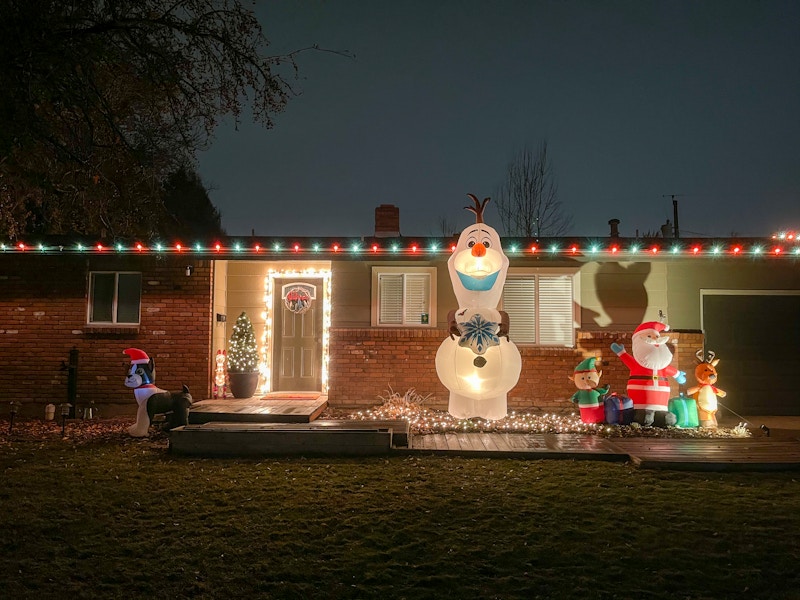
x: 242, y: 348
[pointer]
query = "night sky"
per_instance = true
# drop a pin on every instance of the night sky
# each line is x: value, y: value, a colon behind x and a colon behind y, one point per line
x: 637, y: 101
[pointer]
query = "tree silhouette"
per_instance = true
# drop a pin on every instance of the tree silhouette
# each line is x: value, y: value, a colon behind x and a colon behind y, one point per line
x: 527, y: 201
x: 102, y: 99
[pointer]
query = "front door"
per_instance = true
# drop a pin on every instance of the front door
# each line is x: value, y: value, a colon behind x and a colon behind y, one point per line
x: 297, y: 331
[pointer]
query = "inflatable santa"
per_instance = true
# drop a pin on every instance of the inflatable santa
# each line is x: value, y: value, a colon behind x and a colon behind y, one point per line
x: 152, y: 400
x: 477, y: 362
x: 648, y: 383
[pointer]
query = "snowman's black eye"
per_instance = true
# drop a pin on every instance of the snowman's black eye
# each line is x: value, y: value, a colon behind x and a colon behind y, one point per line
x: 470, y: 243
x: 487, y: 243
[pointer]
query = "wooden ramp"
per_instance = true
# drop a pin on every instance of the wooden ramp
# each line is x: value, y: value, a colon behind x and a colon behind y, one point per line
x: 519, y: 445
x: 339, y: 438
x: 273, y: 408
x: 725, y: 454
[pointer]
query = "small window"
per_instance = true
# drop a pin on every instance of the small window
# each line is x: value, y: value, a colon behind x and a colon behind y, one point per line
x: 540, y: 309
x: 403, y: 297
x: 115, y: 298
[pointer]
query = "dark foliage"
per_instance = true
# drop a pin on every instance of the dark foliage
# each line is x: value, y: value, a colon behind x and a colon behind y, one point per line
x: 101, y: 100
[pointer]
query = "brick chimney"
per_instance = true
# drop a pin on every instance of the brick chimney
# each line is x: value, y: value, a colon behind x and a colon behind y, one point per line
x: 387, y: 221
x: 614, y: 224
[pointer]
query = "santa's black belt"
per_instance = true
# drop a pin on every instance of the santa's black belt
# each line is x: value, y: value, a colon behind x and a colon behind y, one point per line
x: 649, y: 377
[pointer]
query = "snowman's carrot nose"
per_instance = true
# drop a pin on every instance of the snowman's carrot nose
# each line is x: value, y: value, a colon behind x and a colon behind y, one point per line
x: 478, y: 250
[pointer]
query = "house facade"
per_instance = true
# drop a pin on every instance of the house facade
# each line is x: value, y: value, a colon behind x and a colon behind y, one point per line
x: 352, y: 318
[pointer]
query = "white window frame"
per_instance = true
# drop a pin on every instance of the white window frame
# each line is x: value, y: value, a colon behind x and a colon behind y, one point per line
x: 114, y: 301
x: 379, y: 271
x: 536, y: 273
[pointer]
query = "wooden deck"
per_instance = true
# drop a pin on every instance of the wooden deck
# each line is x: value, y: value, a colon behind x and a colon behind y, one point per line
x: 746, y: 454
x: 339, y: 438
x: 273, y: 408
x: 289, y: 424
x: 518, y: 445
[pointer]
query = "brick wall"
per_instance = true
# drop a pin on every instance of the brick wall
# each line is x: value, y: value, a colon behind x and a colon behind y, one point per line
x: 43, y: 317
x: 366, y: 362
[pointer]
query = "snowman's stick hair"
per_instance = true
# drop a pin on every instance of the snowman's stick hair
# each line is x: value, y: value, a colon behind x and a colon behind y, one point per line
x: 478, y: 208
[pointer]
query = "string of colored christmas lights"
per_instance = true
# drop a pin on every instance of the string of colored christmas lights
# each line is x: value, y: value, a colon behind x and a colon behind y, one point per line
x: 781, y: 245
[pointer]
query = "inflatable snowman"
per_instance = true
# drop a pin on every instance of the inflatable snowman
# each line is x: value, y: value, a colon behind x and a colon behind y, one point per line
x: 478, y: 363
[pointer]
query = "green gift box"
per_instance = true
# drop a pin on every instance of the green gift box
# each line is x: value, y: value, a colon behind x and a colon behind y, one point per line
x: 685, y: 410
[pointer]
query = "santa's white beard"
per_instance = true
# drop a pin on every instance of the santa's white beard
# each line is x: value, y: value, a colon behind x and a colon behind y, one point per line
x: 651, y: 356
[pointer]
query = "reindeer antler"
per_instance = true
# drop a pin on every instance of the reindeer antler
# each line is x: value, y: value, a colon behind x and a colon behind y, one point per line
x: 711, y: 355
x: 699, y: 356
x: 478, y: 208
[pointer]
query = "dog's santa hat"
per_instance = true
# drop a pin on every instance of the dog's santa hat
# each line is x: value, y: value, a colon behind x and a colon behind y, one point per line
x: 138, y: 357
x: 658, y: 326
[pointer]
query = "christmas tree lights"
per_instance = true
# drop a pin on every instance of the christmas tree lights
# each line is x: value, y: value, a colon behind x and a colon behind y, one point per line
x: 242, y: 348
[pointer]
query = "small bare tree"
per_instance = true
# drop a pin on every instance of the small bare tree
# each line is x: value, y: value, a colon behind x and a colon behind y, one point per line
x: 527, y: 201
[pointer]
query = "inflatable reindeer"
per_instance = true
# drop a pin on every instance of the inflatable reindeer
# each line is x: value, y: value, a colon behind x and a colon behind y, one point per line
x: 706, y: 392
x: 151, y: 399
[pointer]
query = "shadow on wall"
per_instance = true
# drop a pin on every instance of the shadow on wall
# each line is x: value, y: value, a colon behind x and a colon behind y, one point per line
x: 621, y: 294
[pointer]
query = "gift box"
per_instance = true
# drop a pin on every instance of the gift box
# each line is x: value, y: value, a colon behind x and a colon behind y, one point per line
x: 618, y: 409
x: 685, y: 410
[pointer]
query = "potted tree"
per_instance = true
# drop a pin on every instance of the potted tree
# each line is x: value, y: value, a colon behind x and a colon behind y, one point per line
x: 243, y: 358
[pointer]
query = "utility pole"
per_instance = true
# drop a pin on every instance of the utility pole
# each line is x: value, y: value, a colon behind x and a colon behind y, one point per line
x: 676, y: 233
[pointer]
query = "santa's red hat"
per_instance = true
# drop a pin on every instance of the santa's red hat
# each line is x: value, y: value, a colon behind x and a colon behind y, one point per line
x: 650, y: 325
x: 138, y: 357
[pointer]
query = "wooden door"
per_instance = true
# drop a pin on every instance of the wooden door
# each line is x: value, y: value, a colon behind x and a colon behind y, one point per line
x: 297, y: 335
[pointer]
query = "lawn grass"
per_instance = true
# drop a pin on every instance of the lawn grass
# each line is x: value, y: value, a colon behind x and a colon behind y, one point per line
x: 124, y: 519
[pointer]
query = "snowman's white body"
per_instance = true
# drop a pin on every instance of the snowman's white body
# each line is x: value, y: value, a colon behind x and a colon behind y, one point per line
x: 478, y: 368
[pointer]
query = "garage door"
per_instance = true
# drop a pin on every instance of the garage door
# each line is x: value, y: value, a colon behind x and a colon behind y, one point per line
x: 756, y: 337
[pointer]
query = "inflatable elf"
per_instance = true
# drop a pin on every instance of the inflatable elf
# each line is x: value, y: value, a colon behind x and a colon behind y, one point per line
x: 589, y: 396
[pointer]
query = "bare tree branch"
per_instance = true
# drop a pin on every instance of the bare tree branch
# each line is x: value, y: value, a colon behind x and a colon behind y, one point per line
x: 527, y: 201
